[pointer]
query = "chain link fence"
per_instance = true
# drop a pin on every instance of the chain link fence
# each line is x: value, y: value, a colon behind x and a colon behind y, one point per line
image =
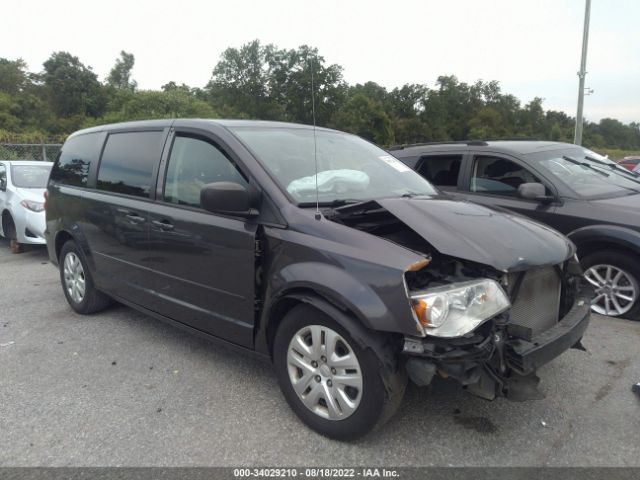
x: 30, y: 151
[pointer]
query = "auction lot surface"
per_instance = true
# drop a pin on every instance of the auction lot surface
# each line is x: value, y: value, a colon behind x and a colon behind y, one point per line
x: 122, y: 389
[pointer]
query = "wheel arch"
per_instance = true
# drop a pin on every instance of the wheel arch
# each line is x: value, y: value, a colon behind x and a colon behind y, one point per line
x: 596, y: 238
x: 385, y: 346
x: 62, y: 237
x: 6, y: 217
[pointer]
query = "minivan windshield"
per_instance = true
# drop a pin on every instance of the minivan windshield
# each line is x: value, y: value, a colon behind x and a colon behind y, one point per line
x: 350, y: 169
x: 588, y: 174
x: 30, y: 176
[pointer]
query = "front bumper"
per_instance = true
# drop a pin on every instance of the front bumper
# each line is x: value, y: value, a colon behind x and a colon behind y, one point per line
x: 488, y: 360
x: 29, y: 226
x: 527, y: 356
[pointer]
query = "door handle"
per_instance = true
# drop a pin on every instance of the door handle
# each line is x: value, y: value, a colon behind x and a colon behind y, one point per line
x: 135, y: 218
x: 163, y: 224
x: 131, y: 216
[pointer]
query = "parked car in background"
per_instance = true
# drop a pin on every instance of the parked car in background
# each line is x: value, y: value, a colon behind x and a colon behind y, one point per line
x: 22, y: 187
x: 630, y: 163
x: 346, y: 279
x: 591, y: 199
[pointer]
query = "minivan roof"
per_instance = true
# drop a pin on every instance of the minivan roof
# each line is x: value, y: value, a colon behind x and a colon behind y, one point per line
x: 194, y: 122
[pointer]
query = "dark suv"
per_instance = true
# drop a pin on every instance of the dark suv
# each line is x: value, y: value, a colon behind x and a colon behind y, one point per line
x: 346, y: 280
x: 587, y: 197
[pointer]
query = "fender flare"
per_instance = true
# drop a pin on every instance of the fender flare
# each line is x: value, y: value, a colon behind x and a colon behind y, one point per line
x: 76, y: 235
x: 610, y: 234
x: 382, y: 346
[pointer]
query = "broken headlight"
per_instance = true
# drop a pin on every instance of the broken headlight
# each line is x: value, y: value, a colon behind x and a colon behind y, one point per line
x: 458, y: 308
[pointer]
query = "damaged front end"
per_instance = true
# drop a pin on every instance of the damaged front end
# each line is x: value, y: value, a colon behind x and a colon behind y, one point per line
x: 548, y: 314
x: 500, y: 296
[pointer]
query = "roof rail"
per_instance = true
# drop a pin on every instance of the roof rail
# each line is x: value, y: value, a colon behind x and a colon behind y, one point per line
x: 514, y: 139
x: 475, y: 143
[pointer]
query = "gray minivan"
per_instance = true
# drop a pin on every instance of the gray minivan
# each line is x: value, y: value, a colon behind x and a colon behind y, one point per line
x: 314, y: 250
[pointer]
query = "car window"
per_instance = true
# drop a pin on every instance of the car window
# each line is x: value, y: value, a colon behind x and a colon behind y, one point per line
x: 128, y: 162
x: 193, y: 164
x: 348, y: 167
x: 3, y: 177
x: 499, y: 176
x: 30, y: 176
x: 76, y: 156
x: 441, y: 170
x: 586, y: 173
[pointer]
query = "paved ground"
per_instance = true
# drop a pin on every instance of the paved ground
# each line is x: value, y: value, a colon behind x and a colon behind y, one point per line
x: 120, y: 388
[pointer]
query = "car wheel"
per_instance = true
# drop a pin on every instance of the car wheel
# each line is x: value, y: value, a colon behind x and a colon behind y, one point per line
x: 9, y: 229
x: 616, y: 279
x: 330, y: 382
x: 77, y: 284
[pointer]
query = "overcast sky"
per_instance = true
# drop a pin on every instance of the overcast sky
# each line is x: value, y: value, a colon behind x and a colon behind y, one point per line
x: 531, y: 46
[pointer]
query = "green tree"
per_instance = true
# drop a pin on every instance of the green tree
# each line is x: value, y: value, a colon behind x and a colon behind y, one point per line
x: 74, y: 89
x: 150, y: 104
x: 120, y: 75
x: 13, y: 76
x: 366, y: 118
x: 290, y: 85
x: 240, y: 81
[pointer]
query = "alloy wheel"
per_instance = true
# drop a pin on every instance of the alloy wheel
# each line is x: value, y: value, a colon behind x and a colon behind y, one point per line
x: 324, y: 372
x: 74, y: 278
x: 616, y: 289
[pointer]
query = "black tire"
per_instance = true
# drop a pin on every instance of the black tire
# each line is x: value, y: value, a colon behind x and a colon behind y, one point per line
x: 10, y: 233
x: 628, y: 263
x: 377, y: 404
x: 93, y: 300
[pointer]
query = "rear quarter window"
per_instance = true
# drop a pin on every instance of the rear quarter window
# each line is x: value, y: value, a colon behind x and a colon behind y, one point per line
x: 75, y: 159
x: 129, y: 162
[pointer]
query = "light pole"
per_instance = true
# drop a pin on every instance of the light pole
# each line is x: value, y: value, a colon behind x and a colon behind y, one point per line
x: 577, y: 139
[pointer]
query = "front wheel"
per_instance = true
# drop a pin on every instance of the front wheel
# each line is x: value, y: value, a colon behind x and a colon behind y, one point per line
x: 616, y: 280
x: 9, y: 228
x: 332, y: 384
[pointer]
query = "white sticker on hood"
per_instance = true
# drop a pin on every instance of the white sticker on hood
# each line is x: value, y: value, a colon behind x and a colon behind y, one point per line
x: 395, y: 163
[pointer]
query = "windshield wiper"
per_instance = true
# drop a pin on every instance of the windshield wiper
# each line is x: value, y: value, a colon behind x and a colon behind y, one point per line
x: 585, y: 164
x: 339, y: 202
x: 597, y: 170
x: 614, y: 166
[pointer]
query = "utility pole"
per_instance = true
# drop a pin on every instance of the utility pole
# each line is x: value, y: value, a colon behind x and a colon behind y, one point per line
x: 582, y: 73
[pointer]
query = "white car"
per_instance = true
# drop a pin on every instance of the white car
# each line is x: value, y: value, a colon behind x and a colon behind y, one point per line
x: 22, y: 187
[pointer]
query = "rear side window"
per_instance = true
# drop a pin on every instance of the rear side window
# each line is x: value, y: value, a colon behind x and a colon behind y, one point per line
x: 129, y: 162
x: 441, y: 170
x: 72, y: 166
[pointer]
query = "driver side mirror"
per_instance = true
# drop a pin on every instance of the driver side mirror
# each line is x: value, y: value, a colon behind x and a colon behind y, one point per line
x: 229, y: 198
x: 534, y: 191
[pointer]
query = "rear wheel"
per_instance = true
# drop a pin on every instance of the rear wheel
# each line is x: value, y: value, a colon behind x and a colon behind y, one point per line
x: 77, y: 284
x: 333, y: 385
x: 616, y: 280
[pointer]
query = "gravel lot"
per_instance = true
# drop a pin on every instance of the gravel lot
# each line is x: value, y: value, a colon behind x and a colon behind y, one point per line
x: 122, y: 389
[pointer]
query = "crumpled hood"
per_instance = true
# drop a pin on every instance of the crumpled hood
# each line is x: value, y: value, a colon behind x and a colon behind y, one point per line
x: 505, y: 241
x: 33, y: 194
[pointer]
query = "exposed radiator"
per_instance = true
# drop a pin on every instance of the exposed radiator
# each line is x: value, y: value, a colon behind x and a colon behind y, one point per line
x: 537, y: 304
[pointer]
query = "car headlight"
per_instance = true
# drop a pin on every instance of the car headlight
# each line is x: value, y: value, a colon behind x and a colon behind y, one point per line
x: 33, y: 206
x: 457, y: 308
